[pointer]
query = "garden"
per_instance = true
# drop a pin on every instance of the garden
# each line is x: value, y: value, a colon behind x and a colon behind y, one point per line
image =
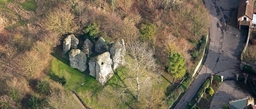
x: 204, y: 95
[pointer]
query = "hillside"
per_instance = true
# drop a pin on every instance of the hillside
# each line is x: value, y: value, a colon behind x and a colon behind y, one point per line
x: 32, y: 65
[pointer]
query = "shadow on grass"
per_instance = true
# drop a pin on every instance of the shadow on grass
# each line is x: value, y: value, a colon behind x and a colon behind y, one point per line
x: 24, y: 101
x: 170, y: 88
x: 117, y: 82
x: 133, y: 96
x: 56, y: 78
x: 58, y: 54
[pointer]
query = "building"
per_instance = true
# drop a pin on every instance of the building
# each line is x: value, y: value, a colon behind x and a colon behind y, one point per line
x: 245, y: 103
x: 245, y: 14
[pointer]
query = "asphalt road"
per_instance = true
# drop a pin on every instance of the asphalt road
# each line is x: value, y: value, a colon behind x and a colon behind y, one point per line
x: 226, y: 44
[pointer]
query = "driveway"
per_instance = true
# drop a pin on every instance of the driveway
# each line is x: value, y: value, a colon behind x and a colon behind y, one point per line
x: 226, y: 92
x: 226, y: 44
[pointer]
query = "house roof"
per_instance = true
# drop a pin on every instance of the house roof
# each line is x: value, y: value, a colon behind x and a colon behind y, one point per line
x: 245, y: 8
x: 238, y: 104
x: 250, y: 107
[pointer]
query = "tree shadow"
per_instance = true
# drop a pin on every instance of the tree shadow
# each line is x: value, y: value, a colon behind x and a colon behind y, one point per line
x: 59, y: 55
x: 25, y: 100
x: 133, y: 96
x: 56, y: 78
x: 33, y: 84
x: 170, y: 88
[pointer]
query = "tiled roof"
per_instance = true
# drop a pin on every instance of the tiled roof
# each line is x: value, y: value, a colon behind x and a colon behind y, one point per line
x: 245, y: 8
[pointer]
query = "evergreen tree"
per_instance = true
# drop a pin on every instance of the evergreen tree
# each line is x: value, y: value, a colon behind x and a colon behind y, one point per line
x: 176, y: 65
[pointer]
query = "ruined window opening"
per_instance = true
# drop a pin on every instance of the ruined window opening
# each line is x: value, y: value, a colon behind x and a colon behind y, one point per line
x: 245, y: 18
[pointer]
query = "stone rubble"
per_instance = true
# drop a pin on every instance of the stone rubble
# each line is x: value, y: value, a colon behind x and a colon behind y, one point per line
x: 101, y: 66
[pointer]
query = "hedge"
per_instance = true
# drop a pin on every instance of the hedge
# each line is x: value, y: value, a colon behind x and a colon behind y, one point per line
x: 175, y: 94
x: 198, y: 51
x: 217, y: 78
x: 252, y: 87
x: 249, y: 70
x: 198, y: 94
x: 187, y: 82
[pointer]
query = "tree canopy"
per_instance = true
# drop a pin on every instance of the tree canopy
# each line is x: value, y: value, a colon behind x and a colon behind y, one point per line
x: 210, y: 91
x: 92, y: 29
x: 147, y: 31
x: 176, y: 65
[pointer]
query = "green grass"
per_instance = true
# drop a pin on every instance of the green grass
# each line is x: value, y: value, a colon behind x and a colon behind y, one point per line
x: 91, y: 92
x: 29, y: 5
x: 2, y: 2
x: 74, y: 77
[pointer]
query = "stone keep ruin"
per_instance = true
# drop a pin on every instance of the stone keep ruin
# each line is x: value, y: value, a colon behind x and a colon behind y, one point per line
x: 102, y: 66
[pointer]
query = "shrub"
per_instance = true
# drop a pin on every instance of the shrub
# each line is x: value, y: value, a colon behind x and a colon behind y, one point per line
x: 194, y: 54
x: 43, y: 87
x: 36, y: 103
x: 198, y: 51
x: 248, y: 69
x: 191, y: 104
x: 225, y: 107
x: 174, y: 96
x: 92, y: 29
x: 198, y: 94
x: 203, y: 87
x: 13, y: 94
x: 206, y: 83
x: 216, y: 80
x: 210, y: 91
x: 147, y: 31
x: 62, y: 80
x: 4, y: 105
x: 187, y: 82
x: 29, y: 5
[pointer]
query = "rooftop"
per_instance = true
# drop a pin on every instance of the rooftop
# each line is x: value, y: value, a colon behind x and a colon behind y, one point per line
x: 238, y: 104
x: 245, y: 8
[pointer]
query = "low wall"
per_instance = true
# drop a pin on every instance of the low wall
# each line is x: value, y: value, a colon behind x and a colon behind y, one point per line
x: 202, y: 57
x: 246, y: 44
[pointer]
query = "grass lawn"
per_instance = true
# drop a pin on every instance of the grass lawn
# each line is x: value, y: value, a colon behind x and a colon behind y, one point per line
x: 91, y: 92
x: 74, y: 77
x: 114, y: 94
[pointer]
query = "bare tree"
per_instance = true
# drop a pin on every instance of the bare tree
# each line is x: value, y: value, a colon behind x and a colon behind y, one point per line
x: 60, y: 20
x: 143, y: 61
